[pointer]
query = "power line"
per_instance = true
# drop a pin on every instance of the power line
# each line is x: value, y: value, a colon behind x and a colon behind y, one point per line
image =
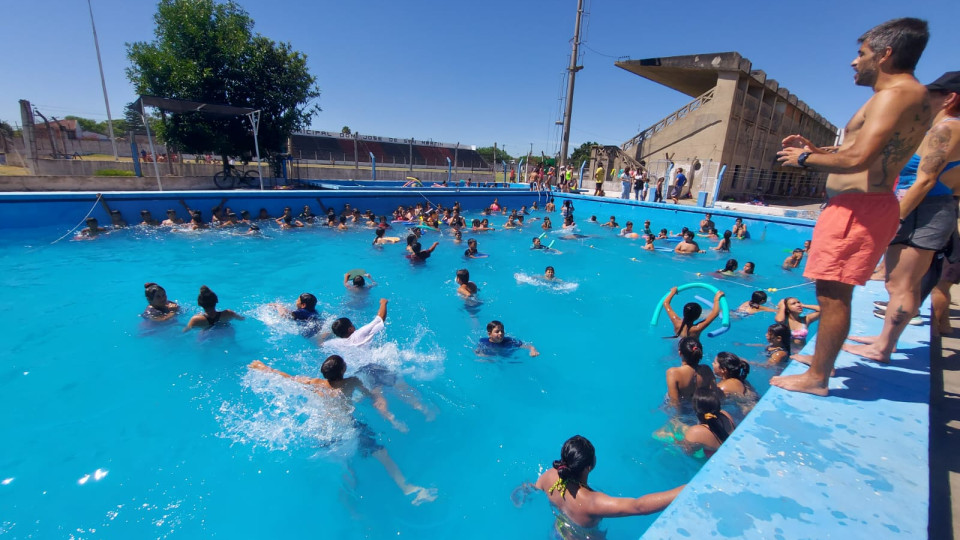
x: 600, y: 53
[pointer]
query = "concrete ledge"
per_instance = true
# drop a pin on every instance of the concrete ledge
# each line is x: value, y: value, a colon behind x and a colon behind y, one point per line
x: 103, y: 183
x: 852, y: 465
x: 767, y: 210
x: 20, y: 210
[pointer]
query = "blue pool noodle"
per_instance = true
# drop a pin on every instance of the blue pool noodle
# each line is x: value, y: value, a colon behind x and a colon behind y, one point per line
x: 724, y: 307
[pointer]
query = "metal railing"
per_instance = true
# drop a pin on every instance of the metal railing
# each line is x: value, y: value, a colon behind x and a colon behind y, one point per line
x: 669, y: 120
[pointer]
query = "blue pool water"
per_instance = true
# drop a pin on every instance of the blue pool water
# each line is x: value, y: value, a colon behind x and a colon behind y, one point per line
x: 120, y: 429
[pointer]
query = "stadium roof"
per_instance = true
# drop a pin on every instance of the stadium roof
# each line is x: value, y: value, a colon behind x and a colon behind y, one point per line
x: 692, y: 74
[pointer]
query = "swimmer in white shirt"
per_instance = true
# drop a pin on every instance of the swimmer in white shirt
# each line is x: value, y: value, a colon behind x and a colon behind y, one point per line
x: 347, y: 335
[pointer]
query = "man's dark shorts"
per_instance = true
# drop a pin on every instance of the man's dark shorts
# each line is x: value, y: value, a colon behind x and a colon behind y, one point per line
x: 366, y: 439
x: 930, y: 225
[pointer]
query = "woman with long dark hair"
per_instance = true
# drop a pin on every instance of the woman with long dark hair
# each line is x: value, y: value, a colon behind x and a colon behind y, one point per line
x: 790, y: 311
x: 778, y: 338
x: 582, y: 507
x: 732, y: 371
x: 684, y: 380
x: 714, y: 427
x: 688, y: 326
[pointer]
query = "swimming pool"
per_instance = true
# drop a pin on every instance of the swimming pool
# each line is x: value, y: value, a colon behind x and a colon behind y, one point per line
x: 121, y: 429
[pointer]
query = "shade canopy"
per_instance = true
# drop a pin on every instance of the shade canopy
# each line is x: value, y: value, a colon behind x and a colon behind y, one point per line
x: 184, y: 106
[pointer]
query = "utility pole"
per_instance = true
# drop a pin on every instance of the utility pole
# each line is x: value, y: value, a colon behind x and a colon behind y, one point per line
x: 573, y: 69
x: 103, y: 83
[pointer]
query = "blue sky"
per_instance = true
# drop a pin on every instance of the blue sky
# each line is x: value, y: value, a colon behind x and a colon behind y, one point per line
x: 478, y: 72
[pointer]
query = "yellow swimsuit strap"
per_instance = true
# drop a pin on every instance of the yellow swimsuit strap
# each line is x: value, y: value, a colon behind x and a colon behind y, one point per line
x: 560, y: 485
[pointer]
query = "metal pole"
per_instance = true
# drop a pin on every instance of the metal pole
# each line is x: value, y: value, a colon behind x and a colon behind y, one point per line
x: 356, y: 152
x: 103, y: 83
x: 153, y: 152
x: 255, y: 121
x: 373, y: 167
x: 573, y: 69
x: 411, y: 154
x: 526, y: 172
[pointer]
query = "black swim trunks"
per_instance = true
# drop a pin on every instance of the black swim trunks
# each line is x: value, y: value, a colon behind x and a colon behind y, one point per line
x: 366, y: 439
x: 930, y: 225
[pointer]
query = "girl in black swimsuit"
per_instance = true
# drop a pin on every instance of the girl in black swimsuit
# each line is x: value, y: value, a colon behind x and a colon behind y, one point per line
x: 207, y: 299
x: 778, y: 337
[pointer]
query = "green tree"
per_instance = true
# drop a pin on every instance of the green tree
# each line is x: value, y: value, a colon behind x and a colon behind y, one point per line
x: 486, y: 153
x: 6, y: 129
x: 207, y: 51
x: 346, y: 130
x: 582, y: 153
x: 132, y: 121
x: 87, y: 124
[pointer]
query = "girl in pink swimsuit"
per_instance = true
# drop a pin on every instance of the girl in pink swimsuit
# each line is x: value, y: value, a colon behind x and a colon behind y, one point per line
x: 790, y: 311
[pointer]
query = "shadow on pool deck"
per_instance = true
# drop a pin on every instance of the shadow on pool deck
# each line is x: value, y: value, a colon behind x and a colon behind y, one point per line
x: 945, y: 430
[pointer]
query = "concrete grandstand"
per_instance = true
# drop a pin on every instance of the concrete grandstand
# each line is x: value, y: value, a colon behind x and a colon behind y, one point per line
x: 331, y: 147
x: 737, y: 118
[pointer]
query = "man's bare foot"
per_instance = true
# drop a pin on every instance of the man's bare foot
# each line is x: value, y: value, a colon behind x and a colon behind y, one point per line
x: 808, y: 359
x: 868, y: 351
x: 864, y: 339
x: 803, y: 382
x: 803, y: 358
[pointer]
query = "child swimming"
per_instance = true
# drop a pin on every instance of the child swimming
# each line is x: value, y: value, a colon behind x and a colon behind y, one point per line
x: 158, y: 307
x: 498, y: 344
x: 732, y: 371
x: 687, y: 326
x: 683, y: 381
x: 714, y: 427
x: 465, y: 287
x: 756, y: 304
x: 778, y: 343
x: 210, y: 317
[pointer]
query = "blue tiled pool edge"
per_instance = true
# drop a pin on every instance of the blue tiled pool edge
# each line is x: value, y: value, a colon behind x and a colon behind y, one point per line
x: 853, y: 465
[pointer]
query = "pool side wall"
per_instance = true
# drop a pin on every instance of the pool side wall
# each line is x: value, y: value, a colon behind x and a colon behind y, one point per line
x: 27, y: 210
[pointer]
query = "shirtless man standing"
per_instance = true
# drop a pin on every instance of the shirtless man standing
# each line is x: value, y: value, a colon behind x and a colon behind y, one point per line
x: 928, y: 217
x: 861, y: 217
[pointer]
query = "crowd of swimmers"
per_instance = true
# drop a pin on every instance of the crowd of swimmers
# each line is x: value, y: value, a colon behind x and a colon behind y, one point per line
x: 696, y: 390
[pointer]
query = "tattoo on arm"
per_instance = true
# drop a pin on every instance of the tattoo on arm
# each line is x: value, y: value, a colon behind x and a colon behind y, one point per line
x: 936, y: 155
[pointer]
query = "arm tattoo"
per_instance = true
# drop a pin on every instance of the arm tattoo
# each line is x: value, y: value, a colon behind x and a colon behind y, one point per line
x: 936, y: 155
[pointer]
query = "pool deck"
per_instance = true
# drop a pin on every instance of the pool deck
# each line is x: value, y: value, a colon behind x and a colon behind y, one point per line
x: 851, y: 465
x: 945, y: 431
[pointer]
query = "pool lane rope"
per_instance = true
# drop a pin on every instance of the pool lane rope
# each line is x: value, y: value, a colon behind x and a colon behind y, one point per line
x: 82, y: 221
x: 724, y: 307
x: 774, y: 289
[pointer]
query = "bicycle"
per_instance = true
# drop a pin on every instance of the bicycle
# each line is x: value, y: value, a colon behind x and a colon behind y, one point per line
x: 232, y: 177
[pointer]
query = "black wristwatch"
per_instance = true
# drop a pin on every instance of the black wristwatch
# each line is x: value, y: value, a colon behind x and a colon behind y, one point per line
x: 802, y: 159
